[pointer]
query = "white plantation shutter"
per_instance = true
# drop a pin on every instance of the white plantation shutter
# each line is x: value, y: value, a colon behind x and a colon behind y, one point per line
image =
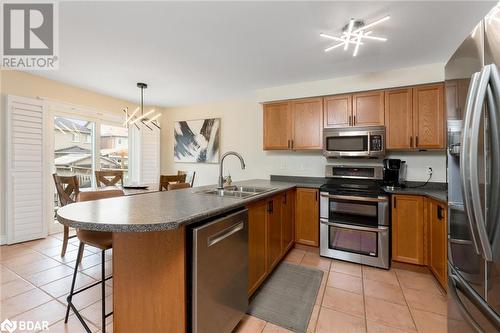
x: 150, y: 155
x: 27, y: 170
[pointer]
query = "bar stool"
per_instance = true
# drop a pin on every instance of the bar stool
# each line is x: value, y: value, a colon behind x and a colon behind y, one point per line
x: 165, y: 180
x: 101, y: 240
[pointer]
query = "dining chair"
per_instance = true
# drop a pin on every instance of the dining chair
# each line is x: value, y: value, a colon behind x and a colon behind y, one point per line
x: 189, y: 176
x: 68, y: 189
x: 165, y: 180
x: 108, y: 177
x: 178, y: 186
x: 103, y: 241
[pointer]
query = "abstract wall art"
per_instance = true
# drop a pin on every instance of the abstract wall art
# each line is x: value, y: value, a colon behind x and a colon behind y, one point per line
x: 197, y: 141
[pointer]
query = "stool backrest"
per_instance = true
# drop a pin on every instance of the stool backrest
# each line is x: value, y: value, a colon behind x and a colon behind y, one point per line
x: 67, y: 188
x: 100, y: 194
x: 178, y: 186
x: 108, y: 177
x: 165, y: 180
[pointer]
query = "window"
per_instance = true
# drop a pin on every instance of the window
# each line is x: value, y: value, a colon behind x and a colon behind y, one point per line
x: 114, y: 149
x: 72, y: 156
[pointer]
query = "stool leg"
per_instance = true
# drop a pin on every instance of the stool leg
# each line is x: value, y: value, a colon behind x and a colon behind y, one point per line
x: 80, y: 252
x: 65, y: 240
x: 103, y: 292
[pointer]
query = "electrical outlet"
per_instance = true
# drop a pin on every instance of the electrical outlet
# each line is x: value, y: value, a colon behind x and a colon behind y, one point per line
x: 429, y: 171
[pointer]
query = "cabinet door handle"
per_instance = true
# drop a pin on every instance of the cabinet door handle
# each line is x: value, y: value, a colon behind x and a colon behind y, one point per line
x: 354, y: 120
x: 350, y: 120
x: 416, y: 141
x: 394, y: 202
x: 288, y: 144
x: 270, y: 206
x: 284, y: 199
x: 317, y: 194
x: 411, y: 141
x: 291, y: 143
x: 440, y: 215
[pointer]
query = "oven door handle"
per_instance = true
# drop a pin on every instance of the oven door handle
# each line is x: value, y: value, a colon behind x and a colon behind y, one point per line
x: 353, y: 227
x: 354, y: 198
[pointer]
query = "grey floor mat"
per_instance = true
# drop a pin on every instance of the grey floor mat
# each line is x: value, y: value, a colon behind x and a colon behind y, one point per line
x: 287, y: 297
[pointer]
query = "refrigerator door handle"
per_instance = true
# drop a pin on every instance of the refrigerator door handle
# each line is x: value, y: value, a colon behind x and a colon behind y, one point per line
x: 464, y: 147
x: 478, y: 211
x: 468, y: 291
x: 494, y: 123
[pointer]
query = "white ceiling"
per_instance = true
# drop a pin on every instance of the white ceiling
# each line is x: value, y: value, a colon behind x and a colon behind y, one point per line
x: 194, y: 52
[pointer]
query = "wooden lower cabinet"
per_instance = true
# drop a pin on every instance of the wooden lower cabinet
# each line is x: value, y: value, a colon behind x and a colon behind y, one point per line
x: 274, y: 240
x: 437, y: 243
x: 419, y: 233
x: 270, y: 235
x: 408, y: 229
x: 257, y: 244
x: 288, y: 220
x: 307, y: 216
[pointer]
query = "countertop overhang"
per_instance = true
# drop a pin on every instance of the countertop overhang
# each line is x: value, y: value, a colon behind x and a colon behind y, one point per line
x: 158, y: 211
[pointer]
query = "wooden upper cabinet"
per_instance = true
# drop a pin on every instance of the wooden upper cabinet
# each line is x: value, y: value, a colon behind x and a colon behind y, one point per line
x: 399, y: 118
x: 337, y: 111
x: 408, y: 229
x: 307, y: 216
x: 428, y: 117
x: 307, y: 119
x: 277, y: 126
x: 438, y: 233
x: 368, y: 108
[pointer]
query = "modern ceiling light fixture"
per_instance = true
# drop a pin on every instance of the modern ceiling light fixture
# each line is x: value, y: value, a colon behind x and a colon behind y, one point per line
x: 355, y: 32
x: 133, y: 119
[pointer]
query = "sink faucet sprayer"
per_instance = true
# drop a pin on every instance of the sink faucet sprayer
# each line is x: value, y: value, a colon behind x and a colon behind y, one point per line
x: 221, y: 167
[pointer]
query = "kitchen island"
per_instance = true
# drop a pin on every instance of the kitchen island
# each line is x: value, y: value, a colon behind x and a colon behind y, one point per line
x: 149, y: 248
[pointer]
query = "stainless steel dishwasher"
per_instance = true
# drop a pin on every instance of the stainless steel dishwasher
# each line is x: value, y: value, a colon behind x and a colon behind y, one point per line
x: 219, y: 273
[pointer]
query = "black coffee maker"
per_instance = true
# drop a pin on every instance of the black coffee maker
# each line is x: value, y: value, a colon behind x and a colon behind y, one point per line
x: 393, y: 172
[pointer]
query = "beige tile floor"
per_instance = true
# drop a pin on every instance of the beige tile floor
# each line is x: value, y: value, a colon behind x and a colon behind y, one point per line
x: 35, y: 281
x: 358, y: 299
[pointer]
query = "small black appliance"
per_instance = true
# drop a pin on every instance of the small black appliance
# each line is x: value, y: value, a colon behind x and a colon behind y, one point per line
x: 393, y: 172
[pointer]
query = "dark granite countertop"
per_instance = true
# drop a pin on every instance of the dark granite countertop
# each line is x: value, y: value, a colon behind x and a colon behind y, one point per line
x: 158, y: 211
x: 436, y: 191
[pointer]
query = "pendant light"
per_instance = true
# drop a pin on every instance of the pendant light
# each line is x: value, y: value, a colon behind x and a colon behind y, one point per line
x: 149, y: 118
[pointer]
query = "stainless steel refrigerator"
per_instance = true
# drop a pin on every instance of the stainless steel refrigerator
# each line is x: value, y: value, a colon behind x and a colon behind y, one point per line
x: 473, y: 108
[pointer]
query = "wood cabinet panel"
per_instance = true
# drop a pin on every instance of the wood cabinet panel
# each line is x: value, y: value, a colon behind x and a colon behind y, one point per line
x: 399, y: 118
x: 408, y: 229
x: 257, y: 244
x: 274, y: 242
x: 428, y: 116
x: 337, y: 111
x: 368, y: 108
x: 288, y: 220
x: 306, y: 216
x: 277, y: 125
x: 307, y: 123
x: 438, y: 241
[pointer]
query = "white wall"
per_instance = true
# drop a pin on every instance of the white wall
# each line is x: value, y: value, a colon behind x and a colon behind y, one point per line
x: 241, y: 129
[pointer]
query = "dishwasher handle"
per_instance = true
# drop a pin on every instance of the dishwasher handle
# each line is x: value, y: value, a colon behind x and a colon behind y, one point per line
x: 225, y: 233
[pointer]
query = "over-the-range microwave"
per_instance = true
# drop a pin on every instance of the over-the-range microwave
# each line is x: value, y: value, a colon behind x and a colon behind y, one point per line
x: 368, y: 142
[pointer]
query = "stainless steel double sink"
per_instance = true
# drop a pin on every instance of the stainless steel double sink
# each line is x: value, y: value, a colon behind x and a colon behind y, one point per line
x: 236, y: 191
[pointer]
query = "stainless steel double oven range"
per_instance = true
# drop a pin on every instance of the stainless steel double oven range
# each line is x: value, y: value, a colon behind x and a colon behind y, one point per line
x: 354, y: 216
